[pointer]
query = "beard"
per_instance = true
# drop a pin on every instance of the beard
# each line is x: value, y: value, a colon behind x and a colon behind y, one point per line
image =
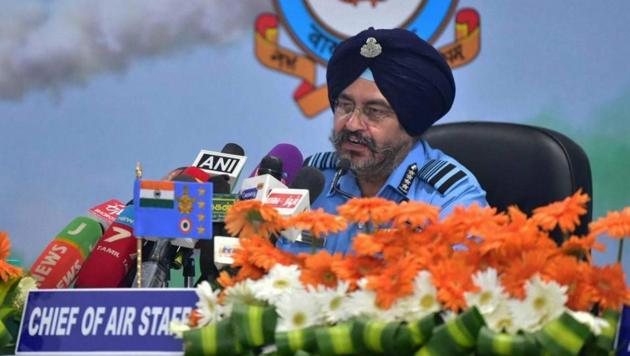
x: 382, y: 159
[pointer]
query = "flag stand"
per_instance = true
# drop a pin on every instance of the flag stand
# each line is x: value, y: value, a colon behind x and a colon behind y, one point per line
x: 139, y: 239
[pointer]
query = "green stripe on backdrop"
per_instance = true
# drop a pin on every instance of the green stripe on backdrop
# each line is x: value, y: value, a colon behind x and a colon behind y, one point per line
x: 606, y: 339
x: 288, y: 343
x: 422, y: 330
x: 335, y: 340
x: 563, y: 336
x: 379, y: 337
x: 255, y: 325
x: 213, y: 339
x: 501, y: 344
x: 456, y: 337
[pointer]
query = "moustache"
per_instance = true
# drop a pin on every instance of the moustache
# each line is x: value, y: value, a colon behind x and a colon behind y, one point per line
x: 345, y: 136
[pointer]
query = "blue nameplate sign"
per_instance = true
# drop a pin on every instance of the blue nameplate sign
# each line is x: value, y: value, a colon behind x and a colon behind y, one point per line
x: 103, y: 320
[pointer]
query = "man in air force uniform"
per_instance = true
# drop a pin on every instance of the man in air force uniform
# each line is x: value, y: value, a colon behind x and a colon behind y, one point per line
x: 386, y: 87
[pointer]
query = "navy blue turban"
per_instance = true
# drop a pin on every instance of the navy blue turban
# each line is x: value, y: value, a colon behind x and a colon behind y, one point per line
x: 409, y: 72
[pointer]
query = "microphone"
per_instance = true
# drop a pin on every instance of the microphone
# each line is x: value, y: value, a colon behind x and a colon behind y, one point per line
x: 312, y: 179
x: 107, y: 212
x: 156, y: 266
x: 58, y: 265
x: 229, y: 162
x: 271, y: 165
x: 291, y: 158
x: 112, y: 256
x: 342, y: 168
x: 307, y: 186
x: 208, y: 269
x: 269, y: 176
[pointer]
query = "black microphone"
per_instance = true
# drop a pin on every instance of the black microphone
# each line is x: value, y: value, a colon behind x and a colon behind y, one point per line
x: 233, y: 149
x: 342, y: 168
x: 209, y: 271
x: 271, y: 165
x: 309, y: 178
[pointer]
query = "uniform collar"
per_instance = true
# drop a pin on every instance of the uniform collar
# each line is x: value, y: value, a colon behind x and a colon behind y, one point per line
x: 348, y: 183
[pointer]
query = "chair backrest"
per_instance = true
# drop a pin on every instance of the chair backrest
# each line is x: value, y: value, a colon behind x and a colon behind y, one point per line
x: 518, y: 164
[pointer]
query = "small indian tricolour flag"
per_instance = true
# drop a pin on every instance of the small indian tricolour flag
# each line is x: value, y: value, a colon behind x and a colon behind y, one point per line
x: 157, y: 194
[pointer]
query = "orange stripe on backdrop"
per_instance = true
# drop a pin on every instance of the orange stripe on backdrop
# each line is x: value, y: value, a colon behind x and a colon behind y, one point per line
x: 310, y: 98
x: 313, y: 99
x: 467, y: 39
x: 157, y: 185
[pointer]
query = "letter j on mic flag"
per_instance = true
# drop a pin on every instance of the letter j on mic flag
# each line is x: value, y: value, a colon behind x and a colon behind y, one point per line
x: 173, y: 209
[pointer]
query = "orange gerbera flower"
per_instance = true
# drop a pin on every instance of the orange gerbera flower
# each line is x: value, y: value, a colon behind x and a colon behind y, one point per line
x: 361, y: 210
x: 225, y: 280
x: 475, y: 220
x: 247, y: 218
x: 582, y: 246
x: 194, y: 317
x: 568, y: 271
x: 609, y: 287
x: 7, y: 271
x: 615, y: 224
x: 256, y: 256
x: 452, y: 278
x: 521, y: 269
x: 414, y: 214
x: 394, y: 281
x: 265, y: 255
x: 318, y: 269
x: 565, y: 213
x: 367, y: 245
x: 352, y: 268
x: 318, y: 222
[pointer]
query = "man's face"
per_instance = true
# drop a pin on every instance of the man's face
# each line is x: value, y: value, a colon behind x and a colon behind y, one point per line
x: 367, y: 132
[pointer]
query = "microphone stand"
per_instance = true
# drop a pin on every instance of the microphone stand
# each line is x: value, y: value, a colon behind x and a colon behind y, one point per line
x: 189, y: 268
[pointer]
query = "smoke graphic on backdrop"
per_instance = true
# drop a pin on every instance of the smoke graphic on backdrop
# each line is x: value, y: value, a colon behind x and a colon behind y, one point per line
x: 53, y: 44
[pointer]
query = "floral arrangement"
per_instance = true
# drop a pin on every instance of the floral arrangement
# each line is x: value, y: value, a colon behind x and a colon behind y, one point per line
x: 478, y: 281
x: 14, y: 287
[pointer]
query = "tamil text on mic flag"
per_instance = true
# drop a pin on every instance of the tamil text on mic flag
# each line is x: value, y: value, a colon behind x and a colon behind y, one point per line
x: 173, y: 209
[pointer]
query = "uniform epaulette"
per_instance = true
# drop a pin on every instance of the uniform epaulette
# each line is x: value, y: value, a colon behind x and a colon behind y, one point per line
x: 441, y: 174
x: 322, y: 160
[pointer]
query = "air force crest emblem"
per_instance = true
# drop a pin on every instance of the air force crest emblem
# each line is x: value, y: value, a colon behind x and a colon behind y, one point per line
x: 317, y: 26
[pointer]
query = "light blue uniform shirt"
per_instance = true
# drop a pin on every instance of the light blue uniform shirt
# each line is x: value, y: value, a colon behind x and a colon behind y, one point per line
x: 426, y: 174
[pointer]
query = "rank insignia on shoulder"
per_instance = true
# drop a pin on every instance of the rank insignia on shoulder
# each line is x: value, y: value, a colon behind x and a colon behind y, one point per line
x: 407, y: 178
x: 442, y: 175
x: 322, y: 160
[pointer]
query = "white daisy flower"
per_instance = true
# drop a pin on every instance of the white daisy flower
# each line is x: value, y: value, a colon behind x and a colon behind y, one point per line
x: 208, y: 307
x: 421, y: 303
x: 242, y: 292
x: 490, y: 293
x: 363, y: 303
x: 297, y: 311
x: 178, y: 327
x: 25, y: 285
x: 403, y: 309
x: 594, y: 323
x: 544, y: 302
x: 281, y: 280
x: 424, y: 297
x: 334, y: 302
x: 501, y: 319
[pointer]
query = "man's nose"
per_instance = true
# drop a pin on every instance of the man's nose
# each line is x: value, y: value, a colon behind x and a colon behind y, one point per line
x: 354, y: 122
